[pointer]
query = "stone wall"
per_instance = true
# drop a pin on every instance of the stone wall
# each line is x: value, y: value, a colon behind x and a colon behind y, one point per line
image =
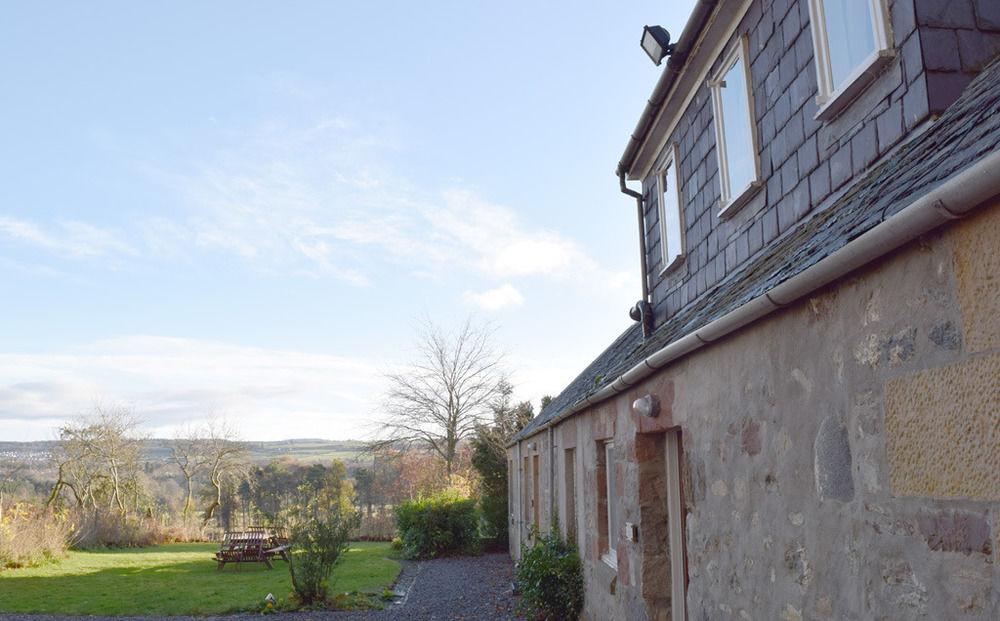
x: 840, y: 457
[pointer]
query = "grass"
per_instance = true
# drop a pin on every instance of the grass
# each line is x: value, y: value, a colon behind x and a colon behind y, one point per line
x: 173, y: 579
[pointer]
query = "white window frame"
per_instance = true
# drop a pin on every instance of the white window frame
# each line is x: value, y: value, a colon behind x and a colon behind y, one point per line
x: 833, y: 98
x: 670, y: 259
x: 731, y: 201
x: 610, y: 555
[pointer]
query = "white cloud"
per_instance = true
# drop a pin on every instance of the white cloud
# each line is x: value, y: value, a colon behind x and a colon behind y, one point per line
x: 170, y: 381
x: 500, y: 245
x: 496, y: 299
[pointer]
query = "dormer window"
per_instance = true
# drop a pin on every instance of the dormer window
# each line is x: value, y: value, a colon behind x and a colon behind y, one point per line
x: 670, y: 215
x: 852, y: 43
x: 735, y: 130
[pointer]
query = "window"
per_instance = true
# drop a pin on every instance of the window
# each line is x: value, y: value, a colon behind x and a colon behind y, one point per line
x: 569, y: 475
x: 671, y: 227
x: 852, y: 42
x: 608, y: 496
x: 735, y: 130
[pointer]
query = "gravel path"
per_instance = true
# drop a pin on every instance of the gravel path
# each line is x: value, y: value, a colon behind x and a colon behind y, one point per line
x: 469, y: 587
x: 453, y: 589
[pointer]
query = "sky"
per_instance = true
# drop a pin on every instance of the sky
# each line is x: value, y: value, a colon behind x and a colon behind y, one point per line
x: 245, y: 209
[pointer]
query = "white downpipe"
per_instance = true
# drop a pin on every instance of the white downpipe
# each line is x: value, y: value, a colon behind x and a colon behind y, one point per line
x: 953, y: 199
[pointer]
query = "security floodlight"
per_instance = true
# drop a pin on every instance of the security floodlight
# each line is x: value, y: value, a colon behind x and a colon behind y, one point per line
x: 656, y: 43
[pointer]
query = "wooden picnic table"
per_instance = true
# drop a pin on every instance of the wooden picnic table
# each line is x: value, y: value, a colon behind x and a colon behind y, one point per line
x: 254, y: 545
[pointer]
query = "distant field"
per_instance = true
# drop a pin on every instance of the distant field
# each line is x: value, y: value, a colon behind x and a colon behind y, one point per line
x: 158, y: 450
x: 305, y: 450
x: 172, y: 580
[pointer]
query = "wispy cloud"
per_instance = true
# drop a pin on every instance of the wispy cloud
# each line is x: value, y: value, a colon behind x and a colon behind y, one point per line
x: 499, y: 243
x: 66, y: 238
x: 495, y: 299
x: 322, y: 200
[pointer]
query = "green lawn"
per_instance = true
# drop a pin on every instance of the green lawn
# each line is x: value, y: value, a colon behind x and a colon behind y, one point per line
x: 173, y: 579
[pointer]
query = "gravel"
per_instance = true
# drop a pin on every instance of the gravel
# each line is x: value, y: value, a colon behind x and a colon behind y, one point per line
x: 465, y: 587
x: 458, y: 588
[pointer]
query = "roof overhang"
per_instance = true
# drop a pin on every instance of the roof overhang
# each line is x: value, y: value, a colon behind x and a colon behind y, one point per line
x: 708, y: 30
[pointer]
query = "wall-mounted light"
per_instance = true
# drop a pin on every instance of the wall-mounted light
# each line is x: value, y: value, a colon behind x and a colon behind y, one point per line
x: 648, y: 406
x: 656, y: 43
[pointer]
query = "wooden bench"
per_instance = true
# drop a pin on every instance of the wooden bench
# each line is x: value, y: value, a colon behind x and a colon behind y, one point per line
x: 244, y: 555
x: 255, y: 545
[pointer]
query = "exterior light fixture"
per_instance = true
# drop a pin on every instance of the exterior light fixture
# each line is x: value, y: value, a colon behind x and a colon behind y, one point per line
x: 647, y: 406
x: 656, y: 43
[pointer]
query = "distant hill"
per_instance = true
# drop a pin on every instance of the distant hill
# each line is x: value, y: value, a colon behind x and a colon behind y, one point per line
x: 158, y: 449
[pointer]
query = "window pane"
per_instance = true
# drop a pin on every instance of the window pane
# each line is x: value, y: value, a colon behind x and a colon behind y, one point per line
x: 851, y: 35
x: 736, y: 126
x: 670, y: 216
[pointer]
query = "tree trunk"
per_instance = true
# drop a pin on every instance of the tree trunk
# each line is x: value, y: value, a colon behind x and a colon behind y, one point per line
x: 187, y: 500
x: 210, y: 511
x: 55, y: 492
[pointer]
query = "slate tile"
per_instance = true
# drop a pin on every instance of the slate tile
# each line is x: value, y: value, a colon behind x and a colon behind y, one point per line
x: 864, y: 148
x: 945, y: 13
x: 988, y: 15
x: 940, y: 48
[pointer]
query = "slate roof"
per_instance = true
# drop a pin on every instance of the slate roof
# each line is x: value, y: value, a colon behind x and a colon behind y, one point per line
x: 965, y: 132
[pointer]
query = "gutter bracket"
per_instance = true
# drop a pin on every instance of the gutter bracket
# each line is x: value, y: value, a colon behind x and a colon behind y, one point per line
x: 941, y: 208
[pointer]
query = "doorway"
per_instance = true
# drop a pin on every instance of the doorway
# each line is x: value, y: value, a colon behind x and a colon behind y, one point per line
x: 675, y: 526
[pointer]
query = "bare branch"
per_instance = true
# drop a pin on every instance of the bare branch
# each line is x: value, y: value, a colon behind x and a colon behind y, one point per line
x: 443, y: 396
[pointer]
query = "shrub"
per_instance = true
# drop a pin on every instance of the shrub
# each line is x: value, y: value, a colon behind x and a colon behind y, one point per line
x: 550, y: 575
x: 104, y: 529
x: 442, y: 524
x: 494, y: 524
x: 491, y: 464
x: 30, y: 537
x: 317, y: 546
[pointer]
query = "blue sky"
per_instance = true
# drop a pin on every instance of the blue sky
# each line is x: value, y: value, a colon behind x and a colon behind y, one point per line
x: 244, y: 209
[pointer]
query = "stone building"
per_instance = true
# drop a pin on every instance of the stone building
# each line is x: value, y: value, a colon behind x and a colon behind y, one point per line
x: 804, y: 420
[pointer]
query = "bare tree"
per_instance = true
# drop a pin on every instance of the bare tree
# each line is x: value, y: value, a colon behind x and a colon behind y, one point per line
x: 98, y: 458
x: 225, y: 460
x: 441, y: 398
x: 189, y: 452
x: 120, y: 448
